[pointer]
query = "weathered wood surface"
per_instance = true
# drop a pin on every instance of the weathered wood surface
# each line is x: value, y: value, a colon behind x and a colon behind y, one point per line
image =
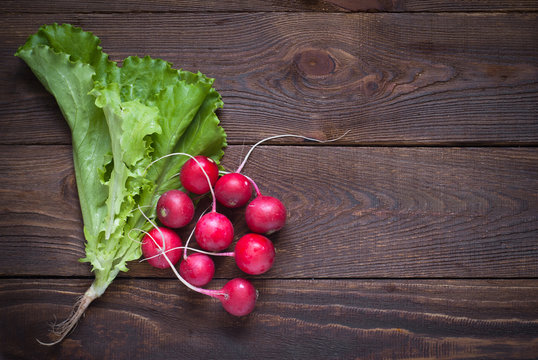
x: 401, y: 78
x: 294, y: 319
x: 188, y: 6
x: 363, y: 212
x: 415, y: 236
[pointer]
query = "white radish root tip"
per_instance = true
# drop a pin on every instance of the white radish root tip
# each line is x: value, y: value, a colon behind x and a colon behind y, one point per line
x: 60, y: 331
x: 282, y: 136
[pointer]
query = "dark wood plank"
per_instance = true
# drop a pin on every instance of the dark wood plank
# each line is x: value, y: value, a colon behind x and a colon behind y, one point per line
x: 353, y: 212
x: 390, y: 78
x: 433, y: 5
x: 184, y: 6
x: 299, y: 319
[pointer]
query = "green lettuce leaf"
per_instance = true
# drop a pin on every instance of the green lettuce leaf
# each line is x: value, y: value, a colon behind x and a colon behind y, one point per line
x: 177, y: 102
x: 68, y: 72
x: 122, y: 120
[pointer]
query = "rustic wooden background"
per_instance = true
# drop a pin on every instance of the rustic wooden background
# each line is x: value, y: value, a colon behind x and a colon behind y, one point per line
x: 415, y: 236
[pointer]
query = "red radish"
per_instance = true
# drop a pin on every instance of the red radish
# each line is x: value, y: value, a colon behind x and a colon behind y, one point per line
x: 175, y: 209
x: 239, y: 297
x: 156, y: 242
x: 233, y: 190
x: 194, y: 179
x: 214, y: 232
x: 265, y: 214
x: 254, y: 254
x: 197, y: 269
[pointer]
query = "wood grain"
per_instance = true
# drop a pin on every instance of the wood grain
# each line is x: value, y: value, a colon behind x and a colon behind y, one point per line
x: 300, y: 319
x: 390, y: 78
x: 353, y: 212
x: 184, y: 6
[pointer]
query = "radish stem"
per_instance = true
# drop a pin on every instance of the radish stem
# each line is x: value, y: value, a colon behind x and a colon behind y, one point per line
x: 190, y: 236
x: 191, y: 249
x: 281, y: 136
x: 256, y: 189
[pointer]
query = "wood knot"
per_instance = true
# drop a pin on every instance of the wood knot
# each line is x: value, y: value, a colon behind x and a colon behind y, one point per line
x: 371, y: 87
x: 68, y: 187
x: 371, y: 84
x: 314, y: 63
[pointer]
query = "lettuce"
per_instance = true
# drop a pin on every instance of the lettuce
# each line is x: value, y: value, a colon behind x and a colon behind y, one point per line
x: 122, y: 119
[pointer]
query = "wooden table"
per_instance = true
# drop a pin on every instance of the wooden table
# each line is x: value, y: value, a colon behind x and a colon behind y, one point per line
x: 414, y: 236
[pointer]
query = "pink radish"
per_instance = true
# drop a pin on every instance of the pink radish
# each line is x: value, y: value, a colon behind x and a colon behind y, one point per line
x: 233, y: 190
x: 239, y: 297
x: 214, y: 232
x: 175, y: 209
x: 254, y: 254
x: 197, y: 269
x: 194, y: 172
x: 265, y: 215
x: 155, y: 244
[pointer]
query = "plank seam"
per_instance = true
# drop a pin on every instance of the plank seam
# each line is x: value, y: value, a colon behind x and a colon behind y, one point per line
x: 455, y: 144
x: 349, y: 12
x: 91, y: 277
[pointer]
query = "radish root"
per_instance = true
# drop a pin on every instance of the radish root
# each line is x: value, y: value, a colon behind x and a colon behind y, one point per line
x: 61, y: 330
x: 282, y: 136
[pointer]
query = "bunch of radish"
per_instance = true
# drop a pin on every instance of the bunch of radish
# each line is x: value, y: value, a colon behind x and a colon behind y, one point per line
x: 254, y: 253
